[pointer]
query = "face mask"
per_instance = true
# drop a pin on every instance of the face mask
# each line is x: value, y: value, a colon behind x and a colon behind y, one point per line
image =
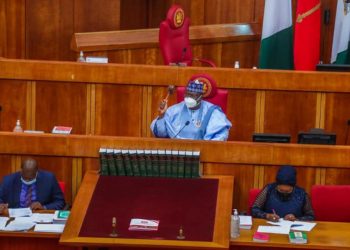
x: 191, y: 102
x: 284, y: 196
x: 28, y: 182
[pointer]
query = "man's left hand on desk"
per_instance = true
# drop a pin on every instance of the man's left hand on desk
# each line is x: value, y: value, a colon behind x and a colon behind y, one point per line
x: 36, y: 206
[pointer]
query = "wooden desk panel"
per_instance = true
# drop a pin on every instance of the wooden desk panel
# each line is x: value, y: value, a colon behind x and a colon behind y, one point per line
x: 123, y: 99
x: 325, y: 235
x: 221, y: 227
x: 254, y: 164
x: 221, y: 43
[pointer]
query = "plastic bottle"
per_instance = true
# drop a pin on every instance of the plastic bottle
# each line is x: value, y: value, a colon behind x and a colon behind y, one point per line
x: 81, y: 57
x: 236, y: 65
x: 234, y: 224
x: 18, y: 127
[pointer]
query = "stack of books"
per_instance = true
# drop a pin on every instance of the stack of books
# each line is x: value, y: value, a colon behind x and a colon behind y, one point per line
x: 245, y: 222
x: 60, y: 216
x: 151, y: 163
x: 297, y: 237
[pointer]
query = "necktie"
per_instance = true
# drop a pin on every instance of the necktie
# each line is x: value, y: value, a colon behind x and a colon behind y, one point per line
x: 28, y: 197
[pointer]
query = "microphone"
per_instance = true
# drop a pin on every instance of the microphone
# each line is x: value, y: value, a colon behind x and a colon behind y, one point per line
x: 0, y: 115
x: 186, y: 124
x: 183, y: 54
x: 347, y: 133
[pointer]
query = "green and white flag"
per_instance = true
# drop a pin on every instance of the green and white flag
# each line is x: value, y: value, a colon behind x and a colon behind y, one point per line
x: 341, y: 37
x: 276, y: 50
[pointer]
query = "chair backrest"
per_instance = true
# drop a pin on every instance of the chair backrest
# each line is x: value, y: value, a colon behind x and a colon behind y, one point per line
x: 331, y: 202
x: 174, y: 39
x: 216, y: 96
x: 253, y: 193
x: 62, y: 185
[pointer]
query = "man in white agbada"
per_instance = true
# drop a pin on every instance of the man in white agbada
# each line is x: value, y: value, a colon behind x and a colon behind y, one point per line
x: 192, y: 118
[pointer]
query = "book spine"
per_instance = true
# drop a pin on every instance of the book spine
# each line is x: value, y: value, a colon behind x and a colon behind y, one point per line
x: 103, y: 162
x: 181, y: 165
x: 134, y: 163
x: 174, y: 162
x: 155, y: 163
x: 188, y: 164
x: 111, y: 164
x: 149, y: 168
x: 141, y: 162
x: 127, y: 163
x: 195, y: 162
x: 119, y: 162
x: 168, y: 164
x: 162, y: 163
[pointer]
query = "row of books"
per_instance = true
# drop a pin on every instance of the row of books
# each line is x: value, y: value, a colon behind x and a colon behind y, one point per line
x: 151, y: 163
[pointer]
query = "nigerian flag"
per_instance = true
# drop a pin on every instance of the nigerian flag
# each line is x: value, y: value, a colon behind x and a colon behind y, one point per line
x: 276, y: 50
x: 341, y: 37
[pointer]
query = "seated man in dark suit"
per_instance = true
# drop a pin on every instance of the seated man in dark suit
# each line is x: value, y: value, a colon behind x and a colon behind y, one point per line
x: 31, y: 188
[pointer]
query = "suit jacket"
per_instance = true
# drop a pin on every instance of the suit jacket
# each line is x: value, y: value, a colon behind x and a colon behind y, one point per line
x: 48, y: 191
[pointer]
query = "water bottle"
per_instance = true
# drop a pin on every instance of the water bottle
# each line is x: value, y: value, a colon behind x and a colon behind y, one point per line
x: 235, y: 224
x: 236, y: 65
x: 81, y: 57
x: 18, y: 127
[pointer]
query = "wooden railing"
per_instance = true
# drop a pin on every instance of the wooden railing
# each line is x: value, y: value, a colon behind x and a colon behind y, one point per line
x: 221, y: 43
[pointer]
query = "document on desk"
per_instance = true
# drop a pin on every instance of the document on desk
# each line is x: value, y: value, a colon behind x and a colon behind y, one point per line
x: 42, y: 218
x: 295, y: 225
x: 19, y: 226
x: 20, y: 212
x: 3, y: 221
x: 274, y: 229
x: 49, y: 228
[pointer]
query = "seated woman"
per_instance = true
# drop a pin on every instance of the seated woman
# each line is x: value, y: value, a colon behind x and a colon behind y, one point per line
x: 283, y: 199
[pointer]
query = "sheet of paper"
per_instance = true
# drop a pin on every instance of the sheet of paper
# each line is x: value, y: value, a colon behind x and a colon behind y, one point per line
x: 19, y: 226
x: 20, y: 212
x: 3, y: 221
x: 42, y: 218
x: 295, y: 225
x: 245, y: 220
x: 49, y: 228
x: 274, y: 229
x: 24, y: 219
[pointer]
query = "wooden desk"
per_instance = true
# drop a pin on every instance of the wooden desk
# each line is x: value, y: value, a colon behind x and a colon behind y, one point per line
x: 31, y: 241
x: 222, y: 43
x: 325, y: 235
x: 71, y: 236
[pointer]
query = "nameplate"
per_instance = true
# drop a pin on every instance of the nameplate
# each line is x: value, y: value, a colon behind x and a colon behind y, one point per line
x: 180, y: 64
x: 61, y: 130
x: 96, y: 59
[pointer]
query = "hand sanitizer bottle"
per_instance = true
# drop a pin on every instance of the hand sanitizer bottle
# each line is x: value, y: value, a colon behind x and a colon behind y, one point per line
x: 235, y: 224
x: 236, y: 65
x: 81, y: 57
x: 18, y: 127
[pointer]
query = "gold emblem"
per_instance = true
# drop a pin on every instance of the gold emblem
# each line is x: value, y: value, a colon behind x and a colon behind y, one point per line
x: 179, y: 17
x: 206, y: 86
x: 308, y: 13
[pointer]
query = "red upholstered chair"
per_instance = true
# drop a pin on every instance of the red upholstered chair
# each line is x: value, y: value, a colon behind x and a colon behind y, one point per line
x: 62, y: 186
x: 331, y: 202
x: 174, y: 38
x: 215, y: 96
x: 253, y: 193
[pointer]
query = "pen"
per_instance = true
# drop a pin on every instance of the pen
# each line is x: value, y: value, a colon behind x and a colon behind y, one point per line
x: 274, y: 214
x: 296, y: 225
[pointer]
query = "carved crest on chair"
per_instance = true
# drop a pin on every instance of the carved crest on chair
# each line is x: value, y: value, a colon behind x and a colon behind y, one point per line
x: 179, y: 17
